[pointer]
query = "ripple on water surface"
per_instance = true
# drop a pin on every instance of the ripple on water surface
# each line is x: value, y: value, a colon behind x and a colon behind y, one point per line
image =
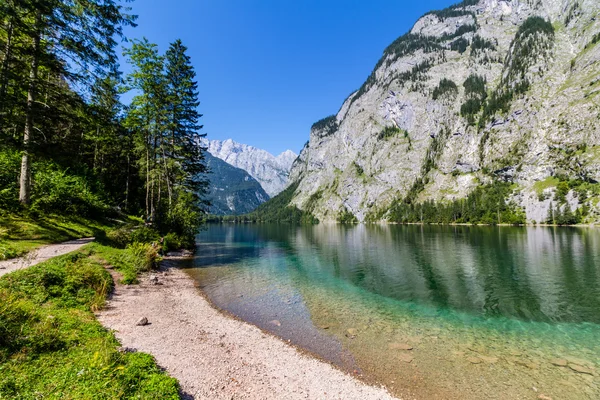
x: 432, y: 312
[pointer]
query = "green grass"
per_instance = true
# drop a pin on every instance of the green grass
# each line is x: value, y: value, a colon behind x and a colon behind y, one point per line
x: 130, y: 262
x: 21, y: 234
x: 549, y: 182
x: 51, y: 345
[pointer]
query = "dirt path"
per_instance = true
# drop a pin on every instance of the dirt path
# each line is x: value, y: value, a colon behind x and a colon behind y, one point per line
x: 214, y: 356
x: 42, y: 254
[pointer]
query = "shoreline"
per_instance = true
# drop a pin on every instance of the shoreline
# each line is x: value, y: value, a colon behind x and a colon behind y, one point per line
x: 214, y: 354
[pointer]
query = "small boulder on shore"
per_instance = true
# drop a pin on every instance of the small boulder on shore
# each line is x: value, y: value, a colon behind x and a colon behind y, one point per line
x: 142, y: 322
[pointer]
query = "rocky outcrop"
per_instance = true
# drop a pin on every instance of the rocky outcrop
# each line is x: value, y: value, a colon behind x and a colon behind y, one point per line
x: 270, y: 171
x: 478, y: 92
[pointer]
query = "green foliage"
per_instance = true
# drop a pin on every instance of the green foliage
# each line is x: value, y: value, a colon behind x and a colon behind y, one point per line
x: 123, y: 236
x: 560, y: 211
x: 573, y: 12
x: 485, y: 205
x: 61, y: 115
x: 173, y: 241
x: 327, y: 125
x: 475, y: 86
x: 50, y: 341
x: 277, y: 209
x: 533, y: 39
x: 476, y: 94
x: 460, y: 45
x: 9, y: 178
x: 595, y: 39
x: 480, y: 44
x: 447, y: 88
x: 58, y: 191
x: 359, y: 170
x: 455, y: 10
x: 389, y: 132
x: 346, y: 217
x: 410, y: 43
x: 20, y: 234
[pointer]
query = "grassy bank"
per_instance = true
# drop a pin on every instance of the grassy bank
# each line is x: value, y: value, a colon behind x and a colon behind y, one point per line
x: 20, y: 234
x: 52, y: 346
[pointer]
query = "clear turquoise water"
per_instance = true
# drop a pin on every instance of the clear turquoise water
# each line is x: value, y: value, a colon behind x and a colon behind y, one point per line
x: 487, y: 310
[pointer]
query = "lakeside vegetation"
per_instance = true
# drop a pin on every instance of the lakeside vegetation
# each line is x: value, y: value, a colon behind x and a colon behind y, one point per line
x: 277, y: 209
x: 68, y: 146
x: 77, y: 162
x: 50, y: 341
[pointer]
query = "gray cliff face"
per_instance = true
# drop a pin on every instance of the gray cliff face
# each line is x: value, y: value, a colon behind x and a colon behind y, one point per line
x: 270, y: 171
x: 403, y: 125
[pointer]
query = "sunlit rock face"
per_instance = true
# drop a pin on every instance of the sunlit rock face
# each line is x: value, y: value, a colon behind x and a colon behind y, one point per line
x: 379, y: 143
x: 270, y: 171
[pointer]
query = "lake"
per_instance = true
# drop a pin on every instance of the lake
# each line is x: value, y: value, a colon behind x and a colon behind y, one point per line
x: 432, y: 312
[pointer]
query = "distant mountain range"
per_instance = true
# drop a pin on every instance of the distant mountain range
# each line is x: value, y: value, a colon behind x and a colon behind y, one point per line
x: 242, y: 177
x: 270, y: 171
x: 232, y: 190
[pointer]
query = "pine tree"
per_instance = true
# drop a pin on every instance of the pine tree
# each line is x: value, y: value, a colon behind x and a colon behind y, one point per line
x: 69, y: 40
x: 183, y: 114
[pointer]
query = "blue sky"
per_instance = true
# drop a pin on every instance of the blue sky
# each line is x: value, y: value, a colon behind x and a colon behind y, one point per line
x: 268, y: 69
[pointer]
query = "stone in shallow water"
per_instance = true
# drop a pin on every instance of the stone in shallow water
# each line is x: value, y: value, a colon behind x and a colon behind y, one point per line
x: 528, y: 364
x: 559, y: 362
x: 407, y: 358
x: 578, y: 361
x: 489, y: 359
x: 351, y: 333
x: 275, y: 322
x: 474, y: 360
x: 399, y: 346
x: 581, y: 369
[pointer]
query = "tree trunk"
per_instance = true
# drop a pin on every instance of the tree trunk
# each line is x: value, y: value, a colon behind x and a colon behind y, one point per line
x: 5, y: 64
x: 25, y: 179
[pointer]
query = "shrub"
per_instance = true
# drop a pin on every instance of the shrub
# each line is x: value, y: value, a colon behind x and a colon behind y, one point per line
x: 9, y: 179
x: 173, y: 241
x: 57, y: 191
x: 445, y: 87
x: 479, y: 44
x: 459, y: 45
x: 346, y: 217
x: 123, y: 236
x: 388, y: 132
x: 328, y: 124
x: 144, y: 256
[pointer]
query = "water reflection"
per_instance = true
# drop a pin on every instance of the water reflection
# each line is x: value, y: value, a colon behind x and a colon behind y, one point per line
x: 535, y: 273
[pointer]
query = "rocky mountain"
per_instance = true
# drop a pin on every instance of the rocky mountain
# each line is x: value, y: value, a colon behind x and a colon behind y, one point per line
x: 270, y: 171
x: 232, y: 190
x: 491, y: 94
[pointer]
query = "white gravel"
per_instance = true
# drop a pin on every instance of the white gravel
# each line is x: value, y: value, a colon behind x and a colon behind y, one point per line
x: 217, y: 357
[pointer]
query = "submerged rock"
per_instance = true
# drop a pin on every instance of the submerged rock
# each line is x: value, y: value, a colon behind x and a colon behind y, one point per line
x: 407, y: 358
x: 559, y: 362
x: 400, y: 346
x: 581, y: 369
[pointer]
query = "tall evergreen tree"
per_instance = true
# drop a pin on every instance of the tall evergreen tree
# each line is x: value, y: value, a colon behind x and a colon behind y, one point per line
x: 163, y: 117
x: 184, y: 118
x: 71, y: 41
